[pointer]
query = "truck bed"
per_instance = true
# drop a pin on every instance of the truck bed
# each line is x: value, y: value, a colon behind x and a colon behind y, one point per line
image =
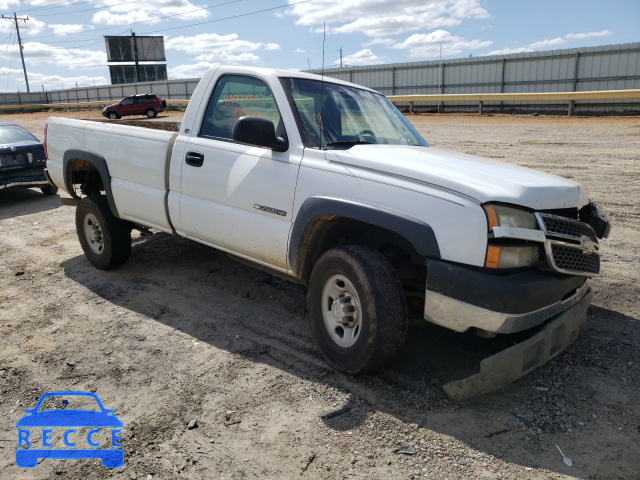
x: 138, y: 161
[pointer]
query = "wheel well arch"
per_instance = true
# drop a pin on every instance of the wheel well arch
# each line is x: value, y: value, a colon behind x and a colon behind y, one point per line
x: 90, y: 171
x: 323, y: 223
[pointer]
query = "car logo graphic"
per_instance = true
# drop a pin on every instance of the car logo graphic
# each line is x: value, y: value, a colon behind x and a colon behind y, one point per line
x: 69, y: 420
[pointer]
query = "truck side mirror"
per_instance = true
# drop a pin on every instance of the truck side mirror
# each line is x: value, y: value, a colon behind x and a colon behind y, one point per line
x: 259, y: 132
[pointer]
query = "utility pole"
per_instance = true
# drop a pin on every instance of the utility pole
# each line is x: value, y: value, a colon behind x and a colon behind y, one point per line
x: 340, y: 57
x: 135, y: 56
x: 16, y: 21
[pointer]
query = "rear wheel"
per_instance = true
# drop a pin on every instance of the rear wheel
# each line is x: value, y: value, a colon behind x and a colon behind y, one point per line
x: 49, y: 190
x: 357, y: 311
x: 105, y: 239
x: 151, y: 113
x: 113, y: 116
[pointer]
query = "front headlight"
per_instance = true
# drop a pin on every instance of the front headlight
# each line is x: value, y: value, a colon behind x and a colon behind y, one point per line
x: 501, y: 255
x: 502, y: 216
x: 508, y: 256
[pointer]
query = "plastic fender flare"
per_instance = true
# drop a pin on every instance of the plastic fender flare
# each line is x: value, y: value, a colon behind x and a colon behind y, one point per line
x: 97, y: 161
x: 416, y: 232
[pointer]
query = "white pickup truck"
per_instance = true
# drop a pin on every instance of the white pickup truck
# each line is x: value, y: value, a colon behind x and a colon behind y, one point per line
x: 326, y: 183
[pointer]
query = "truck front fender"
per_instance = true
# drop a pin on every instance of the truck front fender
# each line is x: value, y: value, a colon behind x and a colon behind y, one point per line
x: 100, y: 164
x: 417, y: 233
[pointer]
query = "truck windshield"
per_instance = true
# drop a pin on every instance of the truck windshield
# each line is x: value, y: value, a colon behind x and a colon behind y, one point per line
x: 337, y: 116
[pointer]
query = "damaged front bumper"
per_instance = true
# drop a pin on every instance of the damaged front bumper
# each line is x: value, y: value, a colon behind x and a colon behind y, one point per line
x: 462, y: 298
x: 509, y: 365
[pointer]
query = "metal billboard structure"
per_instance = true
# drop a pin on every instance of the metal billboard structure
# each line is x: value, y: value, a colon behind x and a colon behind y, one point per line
x: 121, y: 49
x: 146, y: 73
x: 126, y: 49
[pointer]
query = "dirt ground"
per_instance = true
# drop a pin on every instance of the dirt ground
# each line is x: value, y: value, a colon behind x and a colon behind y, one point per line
x: 182, y: 332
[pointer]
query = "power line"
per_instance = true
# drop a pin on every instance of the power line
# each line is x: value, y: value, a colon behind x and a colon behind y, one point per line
x: 16, y: 21
x: 66, y: 3
x: 174, y: 28
x: 155, y: 19
x: 11, y: 43
x: 87, y: 9
x: 231, y: 17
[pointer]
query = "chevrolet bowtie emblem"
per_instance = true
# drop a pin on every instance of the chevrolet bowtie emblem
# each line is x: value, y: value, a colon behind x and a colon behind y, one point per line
x: 588, y: 245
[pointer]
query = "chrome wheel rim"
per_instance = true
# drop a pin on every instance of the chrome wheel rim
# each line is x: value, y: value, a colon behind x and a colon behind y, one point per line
x: 93, y: 233
x: 341, y: 311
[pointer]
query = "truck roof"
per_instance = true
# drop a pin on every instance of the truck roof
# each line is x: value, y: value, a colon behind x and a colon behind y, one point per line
x: 282, y: 73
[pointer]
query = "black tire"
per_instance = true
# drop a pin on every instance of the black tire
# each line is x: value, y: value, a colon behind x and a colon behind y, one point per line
x: 105, y: 239
x: 49, y: 190
x: 380, y: 307
x: 151, y: 113
x: 114, y: 116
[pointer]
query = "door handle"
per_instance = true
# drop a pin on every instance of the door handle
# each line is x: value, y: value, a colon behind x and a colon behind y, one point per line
x: 195, y: 159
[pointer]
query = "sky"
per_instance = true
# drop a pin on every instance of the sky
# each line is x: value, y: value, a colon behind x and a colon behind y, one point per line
x: 64, y: 47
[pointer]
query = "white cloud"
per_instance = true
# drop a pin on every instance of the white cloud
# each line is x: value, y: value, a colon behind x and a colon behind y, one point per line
x: 211, y: 47
x: 363, y: 57
x: 580, y: 36
x: 379, y: 41
x: 118, y: 13
x: 66, y: 29
x: 196, y: 70
x: 428, y: 45
x: 385, y: 17
x: 104, y: 17
x: 37, y: 53
x: 507, y: 51
x: 31, y: 28
x: 6, y: 4
x: 42, y: 3
x: 52, y: 82
x: 542, y: 44
x: 547, y: 43
x: 299, y: 50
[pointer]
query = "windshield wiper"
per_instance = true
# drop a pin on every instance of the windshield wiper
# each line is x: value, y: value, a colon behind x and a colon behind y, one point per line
x: 349, y: 143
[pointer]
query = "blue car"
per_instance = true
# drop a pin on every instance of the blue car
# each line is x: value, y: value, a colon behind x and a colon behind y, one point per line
x: 22, y: 160
x: 69, y: 418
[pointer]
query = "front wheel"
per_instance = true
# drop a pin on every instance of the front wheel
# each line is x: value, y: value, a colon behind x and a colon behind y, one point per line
x: 113, y: 116
x: 357, y: 311
x: 105, y: 239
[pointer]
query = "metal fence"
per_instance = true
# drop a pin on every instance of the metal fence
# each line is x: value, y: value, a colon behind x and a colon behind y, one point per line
x: 610, y: 67
x: 172, y: 89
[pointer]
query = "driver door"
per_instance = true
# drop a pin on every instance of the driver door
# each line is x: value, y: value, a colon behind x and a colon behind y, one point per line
x: 238, y: 197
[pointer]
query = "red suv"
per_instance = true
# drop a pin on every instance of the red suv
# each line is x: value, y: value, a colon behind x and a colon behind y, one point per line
x: 148, y: 104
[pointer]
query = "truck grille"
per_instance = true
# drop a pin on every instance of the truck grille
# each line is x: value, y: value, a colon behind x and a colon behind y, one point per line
x: 571, y: 246
x: 566, y: 227
x: 574, y: 260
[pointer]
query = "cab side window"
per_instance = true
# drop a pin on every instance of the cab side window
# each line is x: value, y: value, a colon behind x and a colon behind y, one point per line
x: 237, y: 96
x: 127, y: 101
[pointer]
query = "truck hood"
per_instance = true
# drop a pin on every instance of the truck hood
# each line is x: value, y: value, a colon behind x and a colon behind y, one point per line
x: 480, y: 178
